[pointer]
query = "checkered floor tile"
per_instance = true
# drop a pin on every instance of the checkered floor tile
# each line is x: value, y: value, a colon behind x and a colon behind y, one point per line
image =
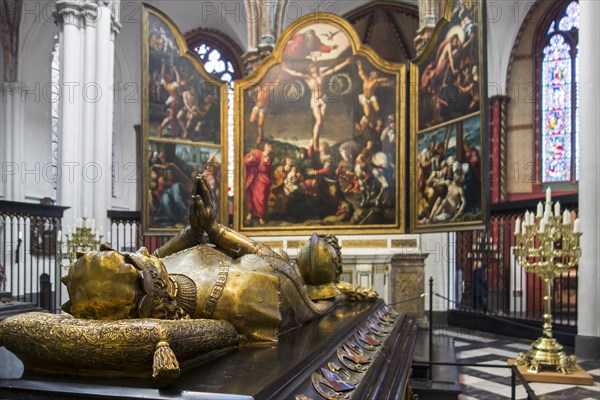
x: 488, y: 383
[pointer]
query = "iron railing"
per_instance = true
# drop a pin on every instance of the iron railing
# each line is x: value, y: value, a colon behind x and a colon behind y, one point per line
x: 511, y: 292
x: 127, y: 234
x: 29, y: 267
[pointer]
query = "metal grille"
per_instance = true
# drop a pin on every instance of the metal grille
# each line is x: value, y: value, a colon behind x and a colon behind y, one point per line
x: 29, y: 267
x: 511, y: 292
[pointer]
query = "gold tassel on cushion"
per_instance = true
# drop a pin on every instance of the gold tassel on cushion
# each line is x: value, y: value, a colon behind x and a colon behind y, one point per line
x: 165, y: 365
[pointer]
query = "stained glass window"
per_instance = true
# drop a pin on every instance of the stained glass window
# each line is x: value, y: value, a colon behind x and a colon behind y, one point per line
x: 216, y: 63
x: 560, y: 98
x: 570, y: 19
x: 556, y: 109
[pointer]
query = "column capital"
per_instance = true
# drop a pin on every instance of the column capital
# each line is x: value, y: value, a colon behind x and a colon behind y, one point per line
x: 89, y: 12
x: 112, y: 5
x: 68, y: 12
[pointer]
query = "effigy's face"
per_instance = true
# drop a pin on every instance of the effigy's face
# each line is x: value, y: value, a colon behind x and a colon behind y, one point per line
x: 102, y: 285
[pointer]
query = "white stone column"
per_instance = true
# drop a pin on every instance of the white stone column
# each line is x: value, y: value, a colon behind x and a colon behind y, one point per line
x: 264, y: 27
x: 88, y: 29
x: 69, y: 19
x: 89, y: 92
x: 268, y: 22
x: 104, y: 117
x: 12, y: 152
x: 437, y: 266
x: 588, y: 280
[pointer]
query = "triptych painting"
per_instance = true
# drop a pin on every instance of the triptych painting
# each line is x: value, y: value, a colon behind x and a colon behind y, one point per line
x: 320, y: 131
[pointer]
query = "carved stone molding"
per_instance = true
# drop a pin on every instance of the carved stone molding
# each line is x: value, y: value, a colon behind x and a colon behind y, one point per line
x: 407, y: 281
x: 115, y: 28
x: 89, y: 13
x: 254, y: 57
x: 422, y: 38
x: 10, y: 24
x: 68, y: 12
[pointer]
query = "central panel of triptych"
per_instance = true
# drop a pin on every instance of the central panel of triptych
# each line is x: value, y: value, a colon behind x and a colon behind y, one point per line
x: 320, y: 131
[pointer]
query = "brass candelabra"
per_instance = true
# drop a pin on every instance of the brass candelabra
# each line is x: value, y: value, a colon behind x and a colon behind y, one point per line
x: 83, y: 238
x: 547, y: 243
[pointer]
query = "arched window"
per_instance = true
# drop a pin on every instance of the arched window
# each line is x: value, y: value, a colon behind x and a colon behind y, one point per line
x: 220, y: 57
x: 557, y: 70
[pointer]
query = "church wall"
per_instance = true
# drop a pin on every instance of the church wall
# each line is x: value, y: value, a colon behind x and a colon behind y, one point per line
x: 3, y: 131
x: 520, y: 86
x: 1, y: 65
x: 437, y: 264
x: 229, y: 17
x: 32, y: 113
x: 503, y: 21
x: 520, y: 152
x: 128, y: 108
x: 298, y: 8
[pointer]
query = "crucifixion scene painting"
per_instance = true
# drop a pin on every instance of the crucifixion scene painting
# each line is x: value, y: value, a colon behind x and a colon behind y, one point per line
x: 319, y: 135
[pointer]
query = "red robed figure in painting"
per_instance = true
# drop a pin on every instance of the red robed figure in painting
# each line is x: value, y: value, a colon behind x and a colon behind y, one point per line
x: 302, y: 44
x: 258, y: 182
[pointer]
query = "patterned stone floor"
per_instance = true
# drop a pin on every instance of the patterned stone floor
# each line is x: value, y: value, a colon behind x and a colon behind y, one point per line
x: 494, y: 383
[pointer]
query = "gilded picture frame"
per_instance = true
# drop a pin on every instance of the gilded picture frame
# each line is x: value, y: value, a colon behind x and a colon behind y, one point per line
x: 320, y: 128
x: 448, y: 124
x: 184, y: 127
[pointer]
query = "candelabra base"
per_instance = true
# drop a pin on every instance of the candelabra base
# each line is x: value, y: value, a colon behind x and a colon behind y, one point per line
x: 547, y: 352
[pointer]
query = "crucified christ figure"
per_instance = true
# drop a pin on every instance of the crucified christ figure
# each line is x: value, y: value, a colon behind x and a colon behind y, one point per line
x: 315, y: 80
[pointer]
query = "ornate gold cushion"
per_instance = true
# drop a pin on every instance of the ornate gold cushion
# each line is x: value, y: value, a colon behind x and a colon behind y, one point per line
x: 63, y: 344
